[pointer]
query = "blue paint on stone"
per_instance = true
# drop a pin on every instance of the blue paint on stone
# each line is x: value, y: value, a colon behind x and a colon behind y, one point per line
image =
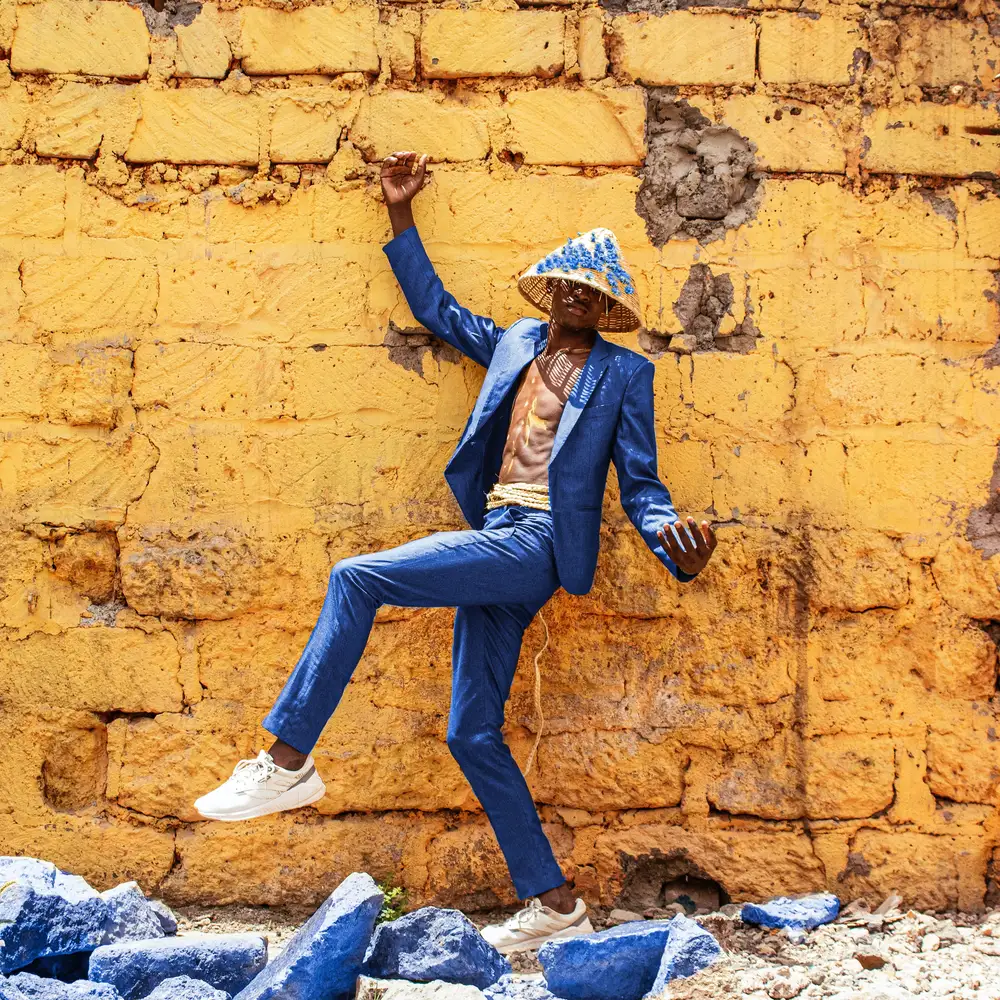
x: 130, y: 917
x: 509, y: 988
x: 229, y: 962
x: 9, y: 992
x: 800, y: 914
x: 689, y: 949
x: 186, y: 988
x: 45, y: 911
x: 432, y: 943
x: 324, y: 958
x: 168, y: 922
x: 38, y: 988
x: 617, y: 964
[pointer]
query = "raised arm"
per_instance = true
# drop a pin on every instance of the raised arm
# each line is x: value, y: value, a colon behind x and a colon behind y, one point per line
x: 403, y: 175
x: 645, y: 499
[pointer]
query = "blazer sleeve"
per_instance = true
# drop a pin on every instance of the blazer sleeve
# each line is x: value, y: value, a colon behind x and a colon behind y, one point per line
x: 645, y: 499
x: 433, y: 307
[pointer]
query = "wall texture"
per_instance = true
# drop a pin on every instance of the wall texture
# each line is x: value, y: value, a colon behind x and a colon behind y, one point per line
x: 212, y: 390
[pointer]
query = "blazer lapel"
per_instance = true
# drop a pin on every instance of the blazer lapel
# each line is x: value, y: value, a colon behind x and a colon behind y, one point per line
x: 510, y: 358
x: 597, y: 363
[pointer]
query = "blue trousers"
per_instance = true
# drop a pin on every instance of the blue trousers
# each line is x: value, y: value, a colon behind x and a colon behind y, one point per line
x: 497, y: 579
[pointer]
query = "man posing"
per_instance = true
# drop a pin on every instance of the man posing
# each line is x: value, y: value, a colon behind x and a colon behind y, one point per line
x: 558, y: 404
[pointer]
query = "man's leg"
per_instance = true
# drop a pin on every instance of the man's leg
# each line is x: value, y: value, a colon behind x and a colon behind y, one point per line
x: 510, y: 560
x: 485, y: 653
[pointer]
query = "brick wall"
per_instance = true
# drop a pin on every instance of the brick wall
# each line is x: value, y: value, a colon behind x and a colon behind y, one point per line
x: 212, y: 390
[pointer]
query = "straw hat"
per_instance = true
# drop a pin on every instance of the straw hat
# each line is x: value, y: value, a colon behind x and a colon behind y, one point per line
x: 593, y: 259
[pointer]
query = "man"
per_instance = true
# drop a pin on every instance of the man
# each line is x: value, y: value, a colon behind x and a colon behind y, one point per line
x: 558, y: 404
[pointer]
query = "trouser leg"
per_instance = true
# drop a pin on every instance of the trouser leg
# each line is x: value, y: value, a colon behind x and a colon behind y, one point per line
x: 485, y: 653
x: 510, y: 561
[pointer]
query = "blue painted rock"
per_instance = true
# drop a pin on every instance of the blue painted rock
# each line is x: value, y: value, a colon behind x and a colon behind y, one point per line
x: 325, y: 956
x: 37, y: 988
x: 431, y: 943
x: 803, y: 913
x: 168, y: 922
x: 509, y: 988
x: 45, y: 911
x: 8, y: 992
x: 186, y: 988
x: 135, y: 968
x: 689, y: 949
x: 130, y: 917
x: 616, y: 964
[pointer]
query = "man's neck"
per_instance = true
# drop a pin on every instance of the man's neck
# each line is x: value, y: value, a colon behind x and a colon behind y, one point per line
x: 561, y: 338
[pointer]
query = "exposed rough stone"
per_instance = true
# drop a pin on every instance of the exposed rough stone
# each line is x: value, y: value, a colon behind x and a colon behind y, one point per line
x: 44, y: 911
x: 804, y: 913
x: 699, y: 178
x: 513, y: 988
x: 186, y: 988
x: 326, y: 955
x: 229, y: 962
x: 689, y: 949
x: 130, y: 917
x: 37, y: 988
x: 616, y: 964
x: 431, y: 943
x: 400, y: 989
x: 984, y: 524
x: 168, y: 921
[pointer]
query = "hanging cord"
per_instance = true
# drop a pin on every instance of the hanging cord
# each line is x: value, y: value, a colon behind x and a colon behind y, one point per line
x: 538, y: 697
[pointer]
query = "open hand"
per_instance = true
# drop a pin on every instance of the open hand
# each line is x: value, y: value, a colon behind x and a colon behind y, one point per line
x: 690, y: 556
x: 403, y: 175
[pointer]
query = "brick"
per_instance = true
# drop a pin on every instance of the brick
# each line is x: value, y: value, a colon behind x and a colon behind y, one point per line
x: 74, y: 120
x: 11, y: 292
x: 579, y: 127
x: 73, y: 476
x: 263, y: 302
x: 306, y: 125
x: 33, y: 201
x: 982, y: 221
x: 202, y: 47
x: 13, y: 116
x: 682, y: 47
x: 81, y: 36
x: 456, y: 43
x: 99, y: 669
x: 78, y: 294
x: 818, y: 306
x: 931, y: 139
x: 196, y: 126
x: 445, y: 128
x: 965, y: 766
x: 947, y: 304
x: 22, y: 373
x: 591, y: 53
x: 798, y: 48
x: 313, y: 40
x: 404, y: 29
x: 938, y: 53
x: 790, y: 136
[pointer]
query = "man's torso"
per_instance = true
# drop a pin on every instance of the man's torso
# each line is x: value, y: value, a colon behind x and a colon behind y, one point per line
x: 544, y: 388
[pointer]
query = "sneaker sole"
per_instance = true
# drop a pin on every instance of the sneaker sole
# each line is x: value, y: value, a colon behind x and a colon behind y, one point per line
x: 569, y: 932
x: 303, y: 799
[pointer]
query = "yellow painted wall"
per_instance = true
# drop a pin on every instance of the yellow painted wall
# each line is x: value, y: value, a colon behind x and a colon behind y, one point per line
x: 200, y: 413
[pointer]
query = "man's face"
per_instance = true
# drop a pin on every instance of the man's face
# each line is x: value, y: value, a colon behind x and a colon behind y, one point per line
x: 576, y: 306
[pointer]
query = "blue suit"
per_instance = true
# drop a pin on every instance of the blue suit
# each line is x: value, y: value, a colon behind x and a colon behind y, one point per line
x: 499, y: 573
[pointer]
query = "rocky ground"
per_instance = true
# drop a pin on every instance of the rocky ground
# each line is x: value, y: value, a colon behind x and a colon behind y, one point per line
x: 861, y: 956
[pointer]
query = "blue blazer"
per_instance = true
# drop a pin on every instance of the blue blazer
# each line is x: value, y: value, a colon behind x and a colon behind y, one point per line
x: 608, y: 417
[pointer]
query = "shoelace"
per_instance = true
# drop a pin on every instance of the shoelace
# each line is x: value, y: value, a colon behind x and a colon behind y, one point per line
x: 254, y: 771
x: 519, y: 919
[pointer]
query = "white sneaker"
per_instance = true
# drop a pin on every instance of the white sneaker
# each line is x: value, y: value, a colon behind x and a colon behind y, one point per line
x: 536, y: 924
x: 259, y: 787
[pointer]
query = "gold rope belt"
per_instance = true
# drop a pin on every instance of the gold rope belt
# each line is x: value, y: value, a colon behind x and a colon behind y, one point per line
x: 537, y: 497
x: 531, y: 495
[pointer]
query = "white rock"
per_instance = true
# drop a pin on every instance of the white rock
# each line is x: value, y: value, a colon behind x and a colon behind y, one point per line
x: 930, y: 942
x: 402, y: 989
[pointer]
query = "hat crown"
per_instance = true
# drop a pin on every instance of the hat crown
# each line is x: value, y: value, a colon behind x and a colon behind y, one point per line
x: 592, y: 258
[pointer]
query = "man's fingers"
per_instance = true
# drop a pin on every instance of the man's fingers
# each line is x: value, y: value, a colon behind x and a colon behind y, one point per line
x: 421, y: 171
x: 700, y: 545
x: 668, y: 542
x: 713, y: 538
x: 683, y: 539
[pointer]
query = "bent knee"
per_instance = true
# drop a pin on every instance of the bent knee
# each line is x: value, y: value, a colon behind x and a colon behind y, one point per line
x: 348, y: 571
x: 468, y: 744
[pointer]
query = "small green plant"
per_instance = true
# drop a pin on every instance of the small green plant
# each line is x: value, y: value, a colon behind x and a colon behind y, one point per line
x: 394, y: 903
